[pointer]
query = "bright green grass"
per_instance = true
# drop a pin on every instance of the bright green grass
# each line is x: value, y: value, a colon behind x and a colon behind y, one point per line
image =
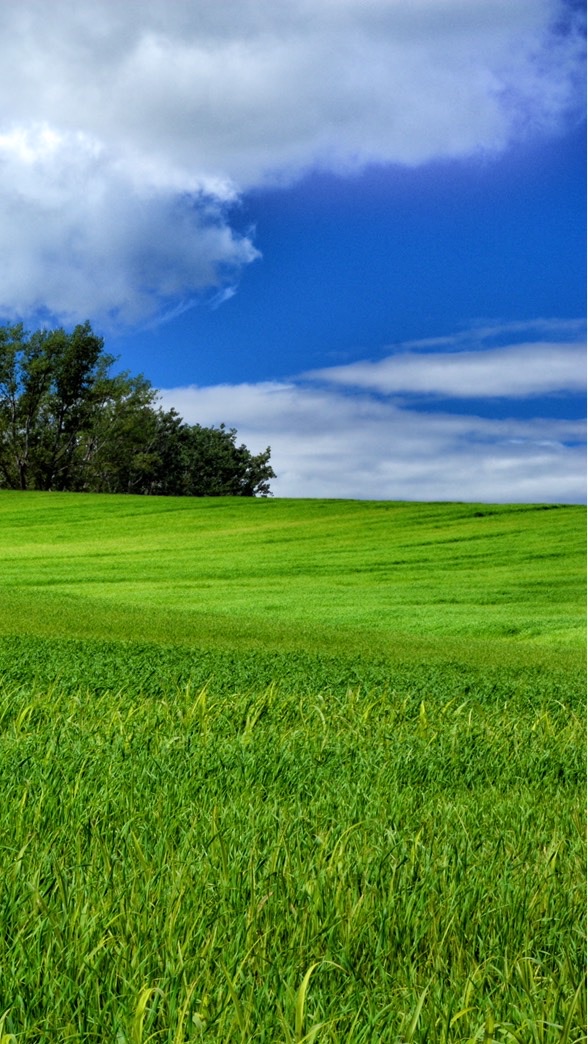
x: 173, y: 867
x: 289, y: 574
x: 290, y: 771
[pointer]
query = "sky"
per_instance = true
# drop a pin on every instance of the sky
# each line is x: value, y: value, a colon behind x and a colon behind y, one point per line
x: 353, y: 230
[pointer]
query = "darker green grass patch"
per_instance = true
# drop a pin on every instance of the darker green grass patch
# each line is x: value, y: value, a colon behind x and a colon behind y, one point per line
x: 175, y: 864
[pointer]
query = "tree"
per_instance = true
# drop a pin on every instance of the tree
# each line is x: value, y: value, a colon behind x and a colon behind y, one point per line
x: 173, y: 458
x: 212, y: 464
x: 118, y: 453
x: 66, y: 423
x: 47, y: 381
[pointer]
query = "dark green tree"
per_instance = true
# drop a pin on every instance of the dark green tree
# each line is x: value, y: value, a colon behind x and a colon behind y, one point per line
x: 118, y: 453
x: 66, y: 423
x: 47, y: 380
x: 212, y: 464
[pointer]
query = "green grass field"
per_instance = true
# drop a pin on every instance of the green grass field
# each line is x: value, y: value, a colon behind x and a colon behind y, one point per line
x: 286, y: 771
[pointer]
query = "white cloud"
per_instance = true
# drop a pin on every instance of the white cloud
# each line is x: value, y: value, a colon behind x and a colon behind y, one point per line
x: 515, y: 371
x: 126, y: 129
x: 247, y: 88
x: 327, y: 442
x: 80, y: 238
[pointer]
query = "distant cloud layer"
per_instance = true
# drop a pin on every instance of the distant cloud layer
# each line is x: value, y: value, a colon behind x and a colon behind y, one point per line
x: 128, y: 130
x: 518, y: 371
x: 330, y: 442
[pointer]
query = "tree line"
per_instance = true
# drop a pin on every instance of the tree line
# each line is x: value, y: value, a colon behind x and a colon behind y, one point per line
x: 67, y: 423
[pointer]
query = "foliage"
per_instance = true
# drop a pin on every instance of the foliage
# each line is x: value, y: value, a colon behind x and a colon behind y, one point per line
x: 67, y: 423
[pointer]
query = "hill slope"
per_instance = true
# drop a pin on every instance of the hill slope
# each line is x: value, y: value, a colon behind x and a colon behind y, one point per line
x: 331, y: 575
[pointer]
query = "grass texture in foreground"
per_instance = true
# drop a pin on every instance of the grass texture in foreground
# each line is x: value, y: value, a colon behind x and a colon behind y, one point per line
x: 175, y: 868
x: 245, y: 826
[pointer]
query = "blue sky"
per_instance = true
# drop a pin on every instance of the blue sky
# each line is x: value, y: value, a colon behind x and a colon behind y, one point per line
x: 352, y: 229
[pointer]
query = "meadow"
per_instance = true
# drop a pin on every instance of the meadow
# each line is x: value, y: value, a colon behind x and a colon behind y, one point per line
x: 288, y: 771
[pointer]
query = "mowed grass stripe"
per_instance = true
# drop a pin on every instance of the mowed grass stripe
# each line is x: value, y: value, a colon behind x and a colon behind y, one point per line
x: 376, y: 570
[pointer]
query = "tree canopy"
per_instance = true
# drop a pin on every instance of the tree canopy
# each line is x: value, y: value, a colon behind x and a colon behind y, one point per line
x: 68, y: 423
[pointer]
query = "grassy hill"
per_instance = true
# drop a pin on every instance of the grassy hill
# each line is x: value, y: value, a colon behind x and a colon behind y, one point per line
x: 286, y: 574
x: 291, y: 771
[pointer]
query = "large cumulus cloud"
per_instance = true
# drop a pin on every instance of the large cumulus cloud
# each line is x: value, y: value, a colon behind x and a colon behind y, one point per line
x: 84, y: 235
x: 128, y: 130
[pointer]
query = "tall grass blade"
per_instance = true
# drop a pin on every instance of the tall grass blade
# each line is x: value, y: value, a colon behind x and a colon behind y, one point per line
x: 300, y: 1002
